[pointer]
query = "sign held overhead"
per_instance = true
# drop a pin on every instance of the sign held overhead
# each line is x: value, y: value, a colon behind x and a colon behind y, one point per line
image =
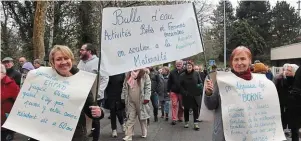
x: 139, y: 37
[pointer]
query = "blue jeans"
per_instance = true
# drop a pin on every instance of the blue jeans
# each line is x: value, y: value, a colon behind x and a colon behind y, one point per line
x: 155, y: 103
x: 166, y: 106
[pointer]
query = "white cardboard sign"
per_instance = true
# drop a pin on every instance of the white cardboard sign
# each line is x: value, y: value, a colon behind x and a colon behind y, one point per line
x: 250, y: 109
x: 48, y: 106
x: 139, y: 37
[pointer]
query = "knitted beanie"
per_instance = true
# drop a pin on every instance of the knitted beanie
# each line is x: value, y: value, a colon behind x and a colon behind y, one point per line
x: 259, y: 67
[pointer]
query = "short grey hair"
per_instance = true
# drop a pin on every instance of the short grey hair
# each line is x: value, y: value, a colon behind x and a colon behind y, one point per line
x: 3, y: 69
x: 180, y: 61
x: 293, y: 66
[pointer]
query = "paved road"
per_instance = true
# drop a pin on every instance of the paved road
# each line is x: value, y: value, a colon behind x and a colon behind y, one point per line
x: 157, y: 131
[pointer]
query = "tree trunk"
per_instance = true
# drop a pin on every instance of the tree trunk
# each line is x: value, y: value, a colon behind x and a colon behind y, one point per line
x: 39, y: 29
x: 51, y: 22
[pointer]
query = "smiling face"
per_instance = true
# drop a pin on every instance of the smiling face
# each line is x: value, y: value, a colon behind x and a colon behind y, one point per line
x: 240, y: 59
x: 189, y: 67
x: 62, y: 63
x: 61, y: 58
x: 241, y: 62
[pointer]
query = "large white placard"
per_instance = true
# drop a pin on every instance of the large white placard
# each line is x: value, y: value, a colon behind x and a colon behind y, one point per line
x: 139, y: 37
x: 250, y: 109
x: 48, y: 106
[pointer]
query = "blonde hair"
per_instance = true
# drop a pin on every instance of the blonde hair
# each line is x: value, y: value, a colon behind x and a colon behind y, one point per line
x: 65, y: 51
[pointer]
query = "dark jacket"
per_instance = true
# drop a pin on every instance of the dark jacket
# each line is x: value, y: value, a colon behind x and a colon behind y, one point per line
x: 113, y: 92
x: 294, y: 104
x: 81, y: 131
x: 283, y: 86
x: 165, y: 96
x: 114, y: 87
x: 15, y: 75
x: 269, y: 75
x: 9, y: 93
x: 174, y: 81
x: 203, y: 76
x: 190, y: 91
x: 156, y: 83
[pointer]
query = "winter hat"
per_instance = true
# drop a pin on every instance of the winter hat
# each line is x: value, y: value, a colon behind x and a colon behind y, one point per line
x: 7, y: 59
x: 28, y: 66
x: 259, y: 67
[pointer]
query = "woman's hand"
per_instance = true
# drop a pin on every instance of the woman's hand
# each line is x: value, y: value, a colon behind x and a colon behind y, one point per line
x: 96, y: 112
x: 145, y: 101
x: 209, y: 87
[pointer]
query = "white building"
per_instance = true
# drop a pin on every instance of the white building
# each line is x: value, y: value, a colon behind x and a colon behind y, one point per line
x: 286, y: 54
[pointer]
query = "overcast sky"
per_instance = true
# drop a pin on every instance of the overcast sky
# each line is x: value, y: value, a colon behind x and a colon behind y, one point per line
x: 272, y: 2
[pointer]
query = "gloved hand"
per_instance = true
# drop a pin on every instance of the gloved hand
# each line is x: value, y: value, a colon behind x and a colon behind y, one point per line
x: 145, y: 101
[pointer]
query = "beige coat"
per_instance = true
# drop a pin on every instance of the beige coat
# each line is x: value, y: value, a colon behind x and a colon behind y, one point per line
x: 145, y: 89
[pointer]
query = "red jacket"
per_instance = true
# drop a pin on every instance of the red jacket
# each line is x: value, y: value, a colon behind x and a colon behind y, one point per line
x: 9, y: 93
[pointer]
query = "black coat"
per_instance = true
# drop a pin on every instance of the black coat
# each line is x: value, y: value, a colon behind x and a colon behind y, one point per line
x: 283, y: 86
x: 113, y: 92
x: 191, y: 93
x: 157, y: 86
x: 173, y: 84
x: 294, y: 102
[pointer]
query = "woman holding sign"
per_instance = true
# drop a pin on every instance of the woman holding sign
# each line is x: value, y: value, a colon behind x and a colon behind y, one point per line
x: 239, y: 95
x: 136, y: 94
x: 61, y: 60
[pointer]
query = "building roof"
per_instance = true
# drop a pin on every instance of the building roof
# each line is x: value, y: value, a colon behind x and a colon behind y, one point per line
x: 291, y: 51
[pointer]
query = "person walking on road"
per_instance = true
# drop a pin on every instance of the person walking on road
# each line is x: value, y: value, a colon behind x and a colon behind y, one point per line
x: 157, y: 89
x: 173, y: 88
x: 164, y: 98
x: 136, y: 94
x: 190, y: 90
x: 114, y: 102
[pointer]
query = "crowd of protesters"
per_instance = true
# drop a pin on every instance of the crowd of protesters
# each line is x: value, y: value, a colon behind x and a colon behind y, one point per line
x: 131, y: 95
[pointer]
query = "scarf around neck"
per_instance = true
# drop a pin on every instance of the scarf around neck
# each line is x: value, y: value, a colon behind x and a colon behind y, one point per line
x: 244, y: 75
x: 133, y: 78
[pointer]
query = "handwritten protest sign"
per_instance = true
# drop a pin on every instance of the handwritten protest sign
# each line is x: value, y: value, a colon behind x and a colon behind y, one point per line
x: 139, y: 37
x: 48, y: 106
x: 250, y: 109
x: 205, y: 113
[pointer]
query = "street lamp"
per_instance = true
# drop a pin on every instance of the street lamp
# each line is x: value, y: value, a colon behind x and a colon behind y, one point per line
x: 225, y: 41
